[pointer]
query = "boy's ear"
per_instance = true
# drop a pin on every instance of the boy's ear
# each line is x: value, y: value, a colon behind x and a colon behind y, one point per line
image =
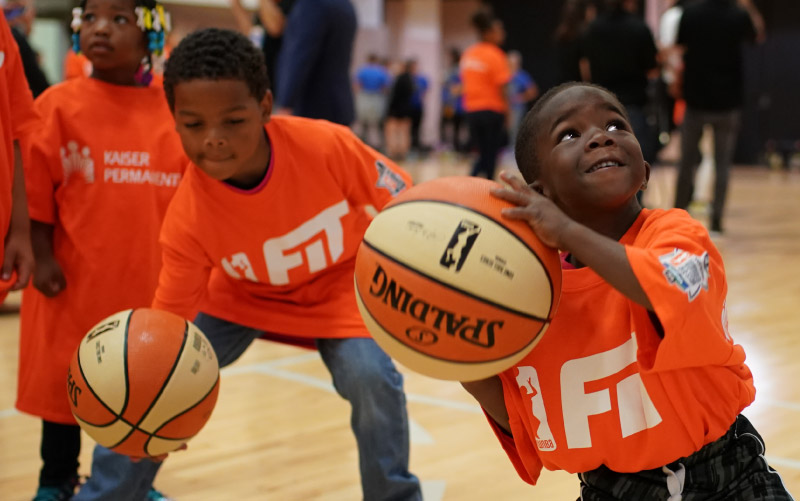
x: 266, y: 106
x: 538, y: 187
x: 646, y: 176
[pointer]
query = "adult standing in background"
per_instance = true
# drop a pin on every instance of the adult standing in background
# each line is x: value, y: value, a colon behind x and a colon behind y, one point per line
x: 485, y: 75
x: 619, y: 52
x: 264, y: 28
x: 372, y: 84
x: 575, y: 16
x: 523, y: 90
x: 20, y: 15
x: 711, y: 34
x: 417, y: 105
x: 313, y: 74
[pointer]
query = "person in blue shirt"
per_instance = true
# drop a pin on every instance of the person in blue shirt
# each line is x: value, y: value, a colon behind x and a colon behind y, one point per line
x: 523, y: 91
x: 417, y: 105
x: 452, y: 105
x: 372, y: 84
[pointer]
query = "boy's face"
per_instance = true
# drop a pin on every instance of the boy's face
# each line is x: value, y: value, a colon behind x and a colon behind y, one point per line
x: 221, y: 126
x: 110, y: 37
x: 589, y: 159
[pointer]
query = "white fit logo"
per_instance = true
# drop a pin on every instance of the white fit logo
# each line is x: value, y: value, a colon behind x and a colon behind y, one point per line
x: 305, y: 245
x: 634, y: 407
x: 76, y: 160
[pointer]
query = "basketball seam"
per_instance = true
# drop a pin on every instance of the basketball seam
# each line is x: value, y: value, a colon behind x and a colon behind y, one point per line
x: 166, y: 379
x: 200, y: 401
x: 462, y: 291
x: 97, y: 397
x: 454, y: 361
x: 487, y: 216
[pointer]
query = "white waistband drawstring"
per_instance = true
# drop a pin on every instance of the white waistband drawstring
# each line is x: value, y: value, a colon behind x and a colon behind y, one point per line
x: 675, y: 481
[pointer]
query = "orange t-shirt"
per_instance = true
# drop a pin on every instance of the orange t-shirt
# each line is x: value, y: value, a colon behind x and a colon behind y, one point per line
x: 76, y: 65
x: 17, y: 119
x: 280, y: 257
x: 603, y: 388
x: 484, y: 73
x: 103, y: 170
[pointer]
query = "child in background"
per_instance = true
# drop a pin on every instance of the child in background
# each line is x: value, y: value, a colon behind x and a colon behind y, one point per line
x: 102, y: 170
x: 17, y: 121
x: 637, y: 385
x: 262, y: 234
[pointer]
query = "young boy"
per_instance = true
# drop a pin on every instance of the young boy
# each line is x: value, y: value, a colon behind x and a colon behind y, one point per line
x: 262, y: 234
x: 637, y: 386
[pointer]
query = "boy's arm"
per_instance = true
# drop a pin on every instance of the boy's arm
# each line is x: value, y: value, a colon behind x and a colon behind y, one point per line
x: 604, y: 255
x: 18, y: 253
x: 48, y: 277
x: 183, y: 279
x: 489, y: 393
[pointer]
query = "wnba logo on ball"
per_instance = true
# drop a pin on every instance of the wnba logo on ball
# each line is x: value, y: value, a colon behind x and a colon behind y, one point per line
x: 460, y: 244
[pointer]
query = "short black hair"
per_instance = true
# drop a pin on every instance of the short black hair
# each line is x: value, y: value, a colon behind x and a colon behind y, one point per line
x: 525, y: 148
x: 483, y: 20
x: 216, y: 54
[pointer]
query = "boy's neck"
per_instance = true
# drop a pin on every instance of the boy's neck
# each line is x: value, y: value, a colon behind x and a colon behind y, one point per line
x: 121, y: 76
x: 258, y: 166
x: 614, y: 225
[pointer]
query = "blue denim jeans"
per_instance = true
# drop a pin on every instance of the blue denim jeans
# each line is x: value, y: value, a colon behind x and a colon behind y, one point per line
x: 362, y: 374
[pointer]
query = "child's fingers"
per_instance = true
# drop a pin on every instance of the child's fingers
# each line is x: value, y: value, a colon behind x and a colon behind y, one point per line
x: 513, y: 180
x: 24, y: 273
x: 510, y: 195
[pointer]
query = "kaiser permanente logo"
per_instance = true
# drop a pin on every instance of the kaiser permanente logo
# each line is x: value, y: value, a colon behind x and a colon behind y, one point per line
x: 120, y: 167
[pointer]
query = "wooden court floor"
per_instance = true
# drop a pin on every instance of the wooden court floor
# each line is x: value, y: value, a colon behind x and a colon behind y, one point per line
x: 279, y: 432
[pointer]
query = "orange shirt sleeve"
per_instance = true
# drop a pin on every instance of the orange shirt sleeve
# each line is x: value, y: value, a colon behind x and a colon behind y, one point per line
x: 518, y: 447
x: 43, y: 171
x: 682, y: 273
x: 369, y: 179
x: 185, y: 268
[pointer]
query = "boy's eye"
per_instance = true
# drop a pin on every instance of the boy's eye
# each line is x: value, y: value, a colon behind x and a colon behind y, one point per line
x: 192, y: 125
x: 615, y: 125
x: 235, y: 121
x: 567, y: 135
x: 120, y: 19
x: 88, y: 16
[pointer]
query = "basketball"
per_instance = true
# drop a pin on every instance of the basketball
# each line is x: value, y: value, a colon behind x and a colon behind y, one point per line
x: 450, y: 288
x: 143, y: 382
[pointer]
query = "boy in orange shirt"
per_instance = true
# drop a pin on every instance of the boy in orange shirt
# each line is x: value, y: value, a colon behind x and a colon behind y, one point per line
x: 17, y: 121
x: 262, y: 234
x: 637, y: 385
x: 102, y: 171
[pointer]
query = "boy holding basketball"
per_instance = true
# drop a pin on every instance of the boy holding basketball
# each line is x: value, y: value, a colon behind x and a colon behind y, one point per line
x: 637, y: 385
x: 262, y: 234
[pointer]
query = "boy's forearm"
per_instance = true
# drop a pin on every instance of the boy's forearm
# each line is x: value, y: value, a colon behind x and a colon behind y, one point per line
x: 607, y: 257
x: 42, y: 240
x: 19, y: 198
x: 489, y: 393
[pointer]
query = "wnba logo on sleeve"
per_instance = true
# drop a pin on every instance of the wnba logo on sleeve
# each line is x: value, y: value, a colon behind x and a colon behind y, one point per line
x: 77, y: 161
x: 687, y: 271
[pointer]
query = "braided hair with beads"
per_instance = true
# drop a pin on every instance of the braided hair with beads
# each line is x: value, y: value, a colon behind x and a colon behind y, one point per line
x: 154, y: 22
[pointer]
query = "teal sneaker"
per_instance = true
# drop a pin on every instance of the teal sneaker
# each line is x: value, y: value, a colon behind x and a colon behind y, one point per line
x: 155, y: 495
x: 62, y: 493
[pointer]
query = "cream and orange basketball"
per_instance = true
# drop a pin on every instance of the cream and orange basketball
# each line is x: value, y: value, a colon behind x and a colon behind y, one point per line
x: 143, y: 382
x: 450, y: 288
